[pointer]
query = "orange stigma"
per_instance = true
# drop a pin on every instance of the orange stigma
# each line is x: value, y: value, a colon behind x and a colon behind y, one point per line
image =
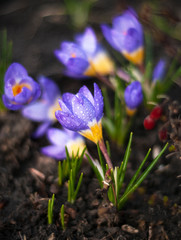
x: 17, y: 89
x: 73, y: 55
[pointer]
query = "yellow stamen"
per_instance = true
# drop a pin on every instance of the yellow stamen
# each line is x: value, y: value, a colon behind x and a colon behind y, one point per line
x: 17, y: 89
x: 135, y: 57
x: 76, y: 146
x: 94, y: 133
x: 53, y: 109
x: 101, y: 64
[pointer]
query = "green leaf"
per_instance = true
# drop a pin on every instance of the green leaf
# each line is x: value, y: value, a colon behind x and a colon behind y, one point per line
x: 137, y: 172
x: 78, y: 186
x: 101, y: 159
x: 125, y: 161
x: 62, y: 217
x: 141, y: 178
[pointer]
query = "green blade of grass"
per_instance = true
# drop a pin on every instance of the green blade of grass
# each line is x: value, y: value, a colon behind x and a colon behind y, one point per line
x: 62, y: 217
x: 141, y: 178
x: 78, y: 186
x: 101, y: 158
x: 125, y: 161
x: 137, y: 172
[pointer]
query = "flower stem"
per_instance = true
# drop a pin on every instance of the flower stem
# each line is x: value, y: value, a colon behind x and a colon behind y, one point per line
x: 105, y: 153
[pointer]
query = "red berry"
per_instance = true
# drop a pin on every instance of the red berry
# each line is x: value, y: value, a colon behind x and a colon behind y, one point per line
x: 156, y: 113
x: 149, y: 123
x: 163, y: 134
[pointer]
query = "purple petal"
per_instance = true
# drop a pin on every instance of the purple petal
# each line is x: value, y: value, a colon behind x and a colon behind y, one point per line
x: 83, y: 108
x: 50, y: 90
x: 70, y: 121
x: 127, y: 20
x: 98, y: 102
x: 54, y: 151
x: 24, y: 96
x: 8, y: 104
x: 36, y: 91
x: 37, y: 111
x: 65, y: 106
x: 15, y: 71
x: 132, y: 40
x: 77, y: 65
x: 118, y: 40
x: 85, y: 91
x: 8, y: 88
x: 159, y: 70
x: 87, y: 41
x: 107, y: 32
x: 69, y: 50
x: 58, y: 137
x: 133, y: 95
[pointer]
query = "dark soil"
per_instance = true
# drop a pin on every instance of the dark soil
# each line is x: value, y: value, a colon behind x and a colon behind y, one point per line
x: 152, y: 212
x: 28, y: 179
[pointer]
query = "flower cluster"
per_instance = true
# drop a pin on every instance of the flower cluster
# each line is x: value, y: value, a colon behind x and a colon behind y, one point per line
x: 84, y: 57
x: 19, y: 87
x: 82, y: 112
x: 126, y: 36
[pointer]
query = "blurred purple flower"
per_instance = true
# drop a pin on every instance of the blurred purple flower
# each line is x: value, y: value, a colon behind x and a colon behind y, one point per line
x: 126, y: 36
x: 82, y: 112
x: 159, y: 70
x: 84, y: 57
x: 19, y: 88
x: 133, y: 95
x: 61, y: 138
x: 43, y: 110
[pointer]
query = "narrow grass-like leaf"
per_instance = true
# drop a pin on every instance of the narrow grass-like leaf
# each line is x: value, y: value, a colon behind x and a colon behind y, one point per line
x: 68, y: 159
x: 60, y: 176
x: 80, y: 159
x: 141, y: 178
x: 137, y: 172
x: 69, y: 191
x: 101, y: 158
x: 49, y: 212
x: 78, y: 186
x: 50, y: 209
x: 62, y: 217
x: 125, y: 161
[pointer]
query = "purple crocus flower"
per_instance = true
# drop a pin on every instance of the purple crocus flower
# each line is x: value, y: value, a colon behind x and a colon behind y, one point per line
x: 43, y: 110
x: 84, y: 57
x: 133, y: 95
x: 19, y: 88
x: 61, y: 139
x: 126, y: 36
x: 82, y: 112
x: 159, y: 70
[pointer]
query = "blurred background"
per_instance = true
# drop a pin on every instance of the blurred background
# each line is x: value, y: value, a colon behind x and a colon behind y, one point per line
x: 36, y: 28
